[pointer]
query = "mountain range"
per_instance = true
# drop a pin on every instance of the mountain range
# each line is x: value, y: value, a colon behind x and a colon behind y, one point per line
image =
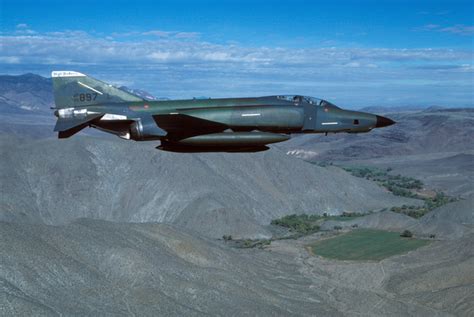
x: 96, y: 225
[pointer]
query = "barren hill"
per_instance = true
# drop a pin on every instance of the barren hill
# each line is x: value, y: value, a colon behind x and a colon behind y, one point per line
x: 54, y: 262
x: 56, y: 181
x: 93, y: 267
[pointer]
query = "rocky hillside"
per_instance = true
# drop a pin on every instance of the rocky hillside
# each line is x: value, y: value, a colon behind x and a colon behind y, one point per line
x: 56, y: 181
x: 93, y: 267
x: 101, y: 268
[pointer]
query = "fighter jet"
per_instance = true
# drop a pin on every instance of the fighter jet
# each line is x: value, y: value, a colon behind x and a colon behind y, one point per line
x: 198, y: 125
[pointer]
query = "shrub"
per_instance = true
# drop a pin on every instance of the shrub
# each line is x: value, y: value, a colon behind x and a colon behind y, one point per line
x: 406, y: 234
x: 337, y: 228
x: 247, y: 243
x: 298, y: 223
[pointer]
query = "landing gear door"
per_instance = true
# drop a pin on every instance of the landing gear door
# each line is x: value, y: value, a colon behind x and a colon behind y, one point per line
x: 309, y: 117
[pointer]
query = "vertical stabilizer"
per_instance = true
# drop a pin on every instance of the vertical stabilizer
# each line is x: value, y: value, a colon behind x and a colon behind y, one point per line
x: 73, y: 89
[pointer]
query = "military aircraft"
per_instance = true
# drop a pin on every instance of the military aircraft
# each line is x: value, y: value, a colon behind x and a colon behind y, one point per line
x: 198, y: 125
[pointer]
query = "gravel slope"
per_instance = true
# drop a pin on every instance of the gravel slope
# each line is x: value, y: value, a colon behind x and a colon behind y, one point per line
x: 94, y: 267
x: 56, y: 181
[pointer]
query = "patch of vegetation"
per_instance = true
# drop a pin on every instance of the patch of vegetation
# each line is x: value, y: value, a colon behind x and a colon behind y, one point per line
x: 365, y: 244
x: 246, y: 243
x: 298, y: 225
x: 323, y: 163
x: 406, y: 234
x: 302, y: 224
x: 409, y: 210
x: 439, y: 200
x: 402, y: 186
x: 249, y: 243
x: 346, y: 216
x: 399, y: 185
x: 429, y: 204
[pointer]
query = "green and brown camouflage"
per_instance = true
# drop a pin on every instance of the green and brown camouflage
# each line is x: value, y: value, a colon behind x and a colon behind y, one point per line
x: 198, y: 125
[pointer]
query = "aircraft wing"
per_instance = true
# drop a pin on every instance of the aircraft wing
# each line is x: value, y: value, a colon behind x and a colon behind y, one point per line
x: 182, y: 125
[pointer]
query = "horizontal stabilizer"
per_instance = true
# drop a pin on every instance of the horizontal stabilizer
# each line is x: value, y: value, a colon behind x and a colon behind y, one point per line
x: 70, y: 126
x: 67, y: 133
x: 64, y: 124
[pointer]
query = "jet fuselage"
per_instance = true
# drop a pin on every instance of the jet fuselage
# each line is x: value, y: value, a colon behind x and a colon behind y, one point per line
x: 200, y: 125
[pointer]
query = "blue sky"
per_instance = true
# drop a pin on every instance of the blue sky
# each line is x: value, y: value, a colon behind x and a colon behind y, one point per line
x: 355, y: 53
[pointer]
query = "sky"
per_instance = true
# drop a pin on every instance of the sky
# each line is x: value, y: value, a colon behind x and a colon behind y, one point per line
x: 353, y: 53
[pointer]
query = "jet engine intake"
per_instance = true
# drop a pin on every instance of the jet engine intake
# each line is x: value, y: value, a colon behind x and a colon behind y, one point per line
x: 145, y: 130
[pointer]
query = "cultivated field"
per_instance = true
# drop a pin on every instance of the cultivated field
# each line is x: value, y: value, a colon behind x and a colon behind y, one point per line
x: 366, y: 245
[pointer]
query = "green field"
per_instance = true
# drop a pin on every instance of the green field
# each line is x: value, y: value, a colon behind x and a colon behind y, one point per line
x: 365, y: 244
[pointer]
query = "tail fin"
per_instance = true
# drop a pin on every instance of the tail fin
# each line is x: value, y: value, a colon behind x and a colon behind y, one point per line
x: 73, y: 89
x: 69, y: 126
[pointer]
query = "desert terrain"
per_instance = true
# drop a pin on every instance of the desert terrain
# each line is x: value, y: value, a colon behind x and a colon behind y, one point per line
x: 95, y: 225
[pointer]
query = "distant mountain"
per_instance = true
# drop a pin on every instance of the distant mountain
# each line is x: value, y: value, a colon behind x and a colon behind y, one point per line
x: 397, y: 109
x: 25, y: 94
x: 140, y: 93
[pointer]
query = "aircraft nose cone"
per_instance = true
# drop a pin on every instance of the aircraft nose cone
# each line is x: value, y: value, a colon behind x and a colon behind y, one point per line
x: 383, y: 122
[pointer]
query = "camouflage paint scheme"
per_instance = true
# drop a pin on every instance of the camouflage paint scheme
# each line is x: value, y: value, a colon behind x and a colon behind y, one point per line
x: 198, y: 125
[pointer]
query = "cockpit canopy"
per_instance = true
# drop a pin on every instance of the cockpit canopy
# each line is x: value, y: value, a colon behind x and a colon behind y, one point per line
x: 307, y: 99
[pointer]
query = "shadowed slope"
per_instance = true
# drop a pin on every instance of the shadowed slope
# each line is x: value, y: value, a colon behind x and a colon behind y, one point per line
x: 54, y: 182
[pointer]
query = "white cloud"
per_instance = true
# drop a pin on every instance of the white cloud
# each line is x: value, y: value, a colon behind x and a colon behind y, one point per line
x: 185, y: 66
x: 459, y: 29
x: 78, y: 47
x: 431, y: 26
x: 23, y: 28
x: 353, y: 64
x: 171, y: 34
x: 10, y: 59
x: 187, y: 35
x: 158, y: 33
